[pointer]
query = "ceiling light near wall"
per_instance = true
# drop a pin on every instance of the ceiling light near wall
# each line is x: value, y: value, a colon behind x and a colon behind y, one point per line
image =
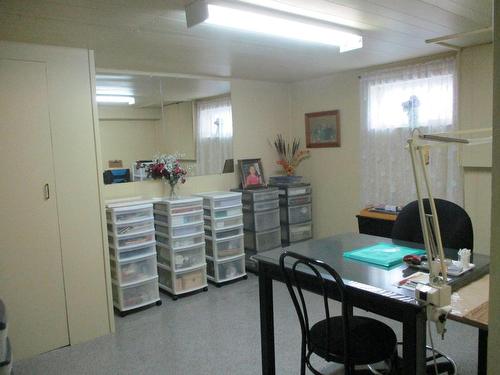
x: 115, y: 99
x: 273, y: 23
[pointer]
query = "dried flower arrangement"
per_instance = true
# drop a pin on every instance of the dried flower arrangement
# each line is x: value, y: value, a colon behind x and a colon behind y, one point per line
x: 289, y: 153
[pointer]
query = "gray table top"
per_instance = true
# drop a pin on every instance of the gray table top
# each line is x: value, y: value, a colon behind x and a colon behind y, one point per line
x: 364, y: 275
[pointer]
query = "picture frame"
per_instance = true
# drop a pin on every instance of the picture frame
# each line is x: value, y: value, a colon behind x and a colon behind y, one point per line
x: 251, y: 173
x: 323, y: 129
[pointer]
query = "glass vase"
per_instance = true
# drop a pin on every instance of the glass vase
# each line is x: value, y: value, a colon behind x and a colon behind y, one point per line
x: 172, y: 194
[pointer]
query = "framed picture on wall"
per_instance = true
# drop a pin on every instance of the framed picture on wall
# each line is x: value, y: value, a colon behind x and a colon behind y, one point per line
x: 323, y: 129
x: 251, y: 173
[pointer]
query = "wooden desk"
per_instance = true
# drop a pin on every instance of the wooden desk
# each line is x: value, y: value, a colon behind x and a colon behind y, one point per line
x: 375, y: 223
x: 470, y: 306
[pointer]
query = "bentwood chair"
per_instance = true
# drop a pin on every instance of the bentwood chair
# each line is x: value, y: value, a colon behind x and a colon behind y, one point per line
x: 347, y: 339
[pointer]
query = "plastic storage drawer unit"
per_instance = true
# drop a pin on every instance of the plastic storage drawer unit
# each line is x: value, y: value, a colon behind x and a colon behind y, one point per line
x: 226, y: 270
x: 135, y: 227
x: 296, y: 233
x: 180, y: 242
x: 223, y: 233
x: 182, y: 259
x: 121, y: 215
x: 134, y: 270
x: 132, y: 252
x: 294, y: 190
x: 220, y: 199
x: 259, y: 195
x: 182, y: 282
x: 296, y: 214
x: 224, y: 248
x: 261, y: 220
x: 183, y: 205
x: 136, y: 295
x: 295, y: 200
x: 223, y: 223
x: 131, y: 240
x: 261, y: 206
x: 263, y: 241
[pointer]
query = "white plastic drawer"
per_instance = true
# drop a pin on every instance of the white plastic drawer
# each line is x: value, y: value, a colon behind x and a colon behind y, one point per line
x: 133, y: 270
x: 136, y: 295
x: 223, y: 213
x: 225, y: 222
x: 224, y: 248
x: 131, y: 228
x: 296, y: 214
x: 296, y: 190
x: 263, y: 241
x: 179, y: 206
x: 225, y: 270
x: 180, y: 242
x: 297, y: 232
x: 183, y: 259
x: 260, y: 195
x: 129, y: 213
x: 261, y: 206
x: 220, y: 199
x: 180, y: 231
x: 131, y: 240
x: 224, y: 233
x: 133, y: 252
x: 261, y: 220
x: 296, y: 200
x: 182, y: 282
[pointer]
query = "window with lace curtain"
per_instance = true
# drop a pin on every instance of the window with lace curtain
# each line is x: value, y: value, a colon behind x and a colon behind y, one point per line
x: 214, y: 134
x: 393, y: 102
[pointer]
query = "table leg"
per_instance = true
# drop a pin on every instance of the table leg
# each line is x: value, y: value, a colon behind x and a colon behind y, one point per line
x: 266, y: 322
x: 414, y: 341
x: 482, y: 352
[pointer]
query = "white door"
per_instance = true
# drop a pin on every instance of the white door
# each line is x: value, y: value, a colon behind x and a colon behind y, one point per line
x: 31, y: 276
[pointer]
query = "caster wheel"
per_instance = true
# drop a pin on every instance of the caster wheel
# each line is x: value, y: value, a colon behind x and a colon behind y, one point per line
x: 205, y: 289
x: 175, y: 298
x: 158, y: 303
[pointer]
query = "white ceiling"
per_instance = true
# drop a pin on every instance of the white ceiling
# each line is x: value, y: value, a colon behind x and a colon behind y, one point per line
x: 151, y: 35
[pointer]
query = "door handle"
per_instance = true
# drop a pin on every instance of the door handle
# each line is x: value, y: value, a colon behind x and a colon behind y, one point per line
x: 46, y: 192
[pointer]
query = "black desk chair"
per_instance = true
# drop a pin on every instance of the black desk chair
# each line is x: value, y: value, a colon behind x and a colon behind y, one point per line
x: 456, y: 233
x: 351, y: 340
x: 454, y: 223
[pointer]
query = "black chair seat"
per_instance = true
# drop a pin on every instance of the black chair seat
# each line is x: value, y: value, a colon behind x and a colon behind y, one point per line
x: 371, y: 341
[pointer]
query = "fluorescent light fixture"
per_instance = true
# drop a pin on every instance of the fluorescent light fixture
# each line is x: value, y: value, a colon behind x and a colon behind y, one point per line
x: 115, y: 99
x: 276, y: 24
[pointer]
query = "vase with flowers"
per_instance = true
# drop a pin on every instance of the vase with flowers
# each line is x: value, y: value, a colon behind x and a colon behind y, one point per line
x: 290, y: 155
x: 168, y: 168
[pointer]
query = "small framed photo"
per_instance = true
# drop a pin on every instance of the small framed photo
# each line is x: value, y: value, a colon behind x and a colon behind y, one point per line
x: 251, y: 173
x: 323, y: 129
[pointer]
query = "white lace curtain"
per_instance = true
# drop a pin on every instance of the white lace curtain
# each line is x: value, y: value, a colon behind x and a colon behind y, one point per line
x: 394, y: 101
x: 214, y: 134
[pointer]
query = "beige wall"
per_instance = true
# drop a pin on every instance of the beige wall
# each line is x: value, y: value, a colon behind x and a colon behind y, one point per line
x: 494, y: 323
x: 128, y: 134
x: 475, y: 108
x: 334, y: 172
x: 260, y: 111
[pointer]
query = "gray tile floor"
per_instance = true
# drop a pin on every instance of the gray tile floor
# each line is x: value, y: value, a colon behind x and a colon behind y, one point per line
x: 216, y: 332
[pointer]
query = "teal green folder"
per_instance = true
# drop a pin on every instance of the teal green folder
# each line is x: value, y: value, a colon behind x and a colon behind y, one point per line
x: 382, y: 254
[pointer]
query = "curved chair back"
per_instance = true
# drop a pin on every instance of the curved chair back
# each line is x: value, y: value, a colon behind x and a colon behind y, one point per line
x: 294, y: 277
x: 454, y: 223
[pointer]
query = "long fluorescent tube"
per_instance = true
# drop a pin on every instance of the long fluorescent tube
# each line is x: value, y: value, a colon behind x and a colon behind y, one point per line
x: 130, y: 100
x: 281, y: 27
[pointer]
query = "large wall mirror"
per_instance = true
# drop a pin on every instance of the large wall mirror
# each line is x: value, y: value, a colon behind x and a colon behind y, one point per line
x: 141, y: 116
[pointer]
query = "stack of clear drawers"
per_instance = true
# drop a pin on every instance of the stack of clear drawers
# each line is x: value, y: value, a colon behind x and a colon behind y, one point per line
x: 5, y: 349
x: 261, y: 219
x: 224, y: 236
x: 295, y: 213
x: 180, y: 245
x: 132, y: 256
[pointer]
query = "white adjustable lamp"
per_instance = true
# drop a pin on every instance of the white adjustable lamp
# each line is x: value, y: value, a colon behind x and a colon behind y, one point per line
x: 265, y: 21
x: 436, y: 295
